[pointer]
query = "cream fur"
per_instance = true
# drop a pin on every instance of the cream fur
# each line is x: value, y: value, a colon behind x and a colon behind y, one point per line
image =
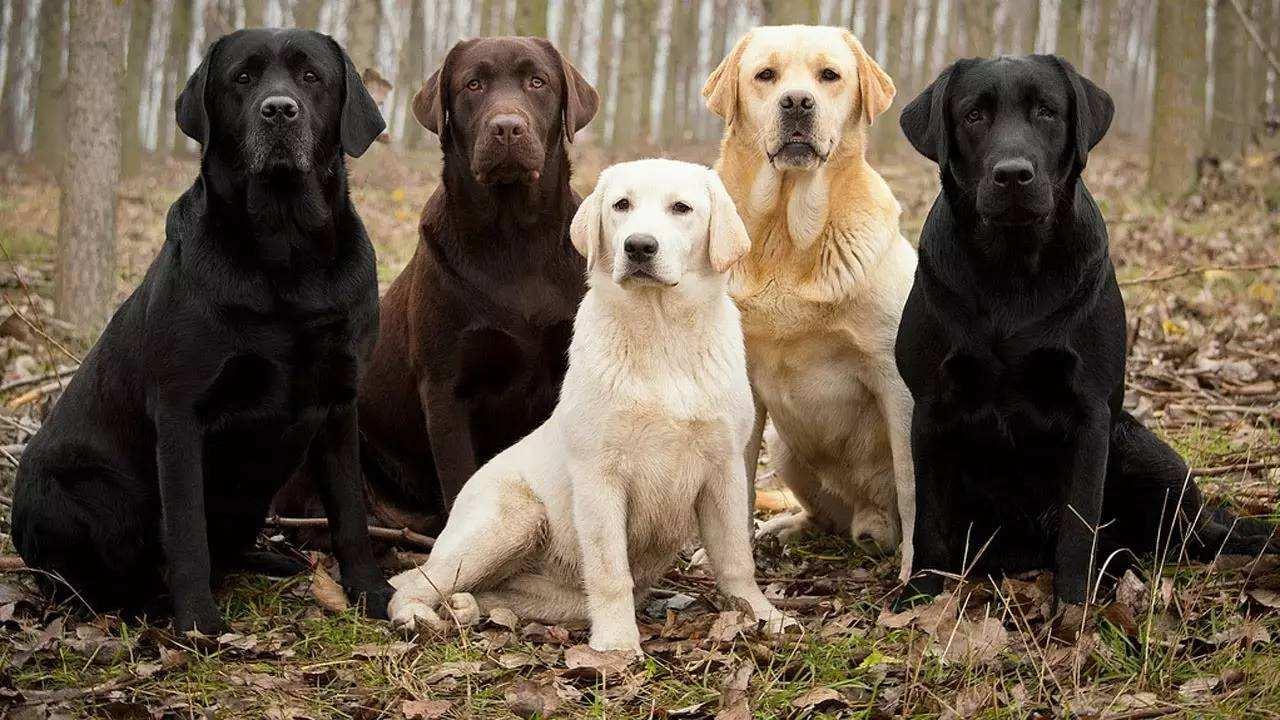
x: 643, y: 451
x: 822, y: 289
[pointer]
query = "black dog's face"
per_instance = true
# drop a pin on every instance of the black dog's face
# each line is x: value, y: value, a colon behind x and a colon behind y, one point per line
x: 505, y: 101
x: 277, y: 101
x: 277, y: 96
x: 1013, y: 133
x: 1011, y: 141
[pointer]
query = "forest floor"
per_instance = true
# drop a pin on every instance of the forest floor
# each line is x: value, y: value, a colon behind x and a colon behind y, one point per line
x: 1201, y: 284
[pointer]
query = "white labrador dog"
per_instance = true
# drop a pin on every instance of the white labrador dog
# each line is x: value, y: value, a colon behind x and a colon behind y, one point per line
x: 644, y: 449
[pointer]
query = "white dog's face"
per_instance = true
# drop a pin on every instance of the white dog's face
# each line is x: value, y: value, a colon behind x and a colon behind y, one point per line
x: 655, y: 222
x: 795, y: 89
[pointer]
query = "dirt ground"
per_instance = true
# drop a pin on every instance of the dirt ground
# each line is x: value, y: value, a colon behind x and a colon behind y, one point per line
x: 1201, y: 278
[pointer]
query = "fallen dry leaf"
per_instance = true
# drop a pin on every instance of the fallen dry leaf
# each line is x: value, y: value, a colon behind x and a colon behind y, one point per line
x: 972, y: 643
x: 425, y: 709
x: 327, y: 591
x: 733, y: 696
x: 596, y: 662
x: 818, y: 697
x: 528, y: 698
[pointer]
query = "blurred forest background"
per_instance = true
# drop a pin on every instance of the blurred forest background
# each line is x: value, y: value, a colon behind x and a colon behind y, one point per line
x: 1194, y: 79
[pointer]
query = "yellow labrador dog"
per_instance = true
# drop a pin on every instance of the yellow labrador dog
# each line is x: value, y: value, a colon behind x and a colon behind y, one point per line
x: 645, y: 447
x: 823, y: 286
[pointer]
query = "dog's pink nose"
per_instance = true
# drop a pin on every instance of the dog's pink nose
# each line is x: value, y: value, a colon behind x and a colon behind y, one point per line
x: 508, y: 128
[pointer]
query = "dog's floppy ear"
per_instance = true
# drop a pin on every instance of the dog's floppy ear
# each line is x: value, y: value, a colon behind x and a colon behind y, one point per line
x: 584, y: 231
x: 875, y: 88
x: 431, y: 104
x: 727, y: 240
x: 361, y: 121
x: 189, y: 109
x: 580, y: 99
x: 924, y: 120
x: 1091, y: 112
x: 721, y: 88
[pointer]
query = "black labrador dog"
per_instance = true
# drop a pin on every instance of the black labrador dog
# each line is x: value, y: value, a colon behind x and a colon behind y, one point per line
x: 476, y: 330
x: 235, y: 363
x: 1013, y: 345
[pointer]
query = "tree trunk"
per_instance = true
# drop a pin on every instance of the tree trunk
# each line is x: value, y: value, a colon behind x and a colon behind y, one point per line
x: 792, y: 12
x: 531, y: 18
x: 11, y: 132
x: 255, y: 13
x: 363, y: 22
x: 569, y: 12
x: 1070, y: 44
x: 176, y: 72
x: 979, y: 25
x: 134, y: 76
x: 84, y: 278
x: 306, y: 14
x: 648, y: 49
x: 411, y: 74
x: 630, y: 120
x: 1177, y: 128
x: 1100, y: 63
x: 50, y: 125
x: 871, y: 35
x: 604, y: 65
x: 1030, y: 27
x: 1227, y: 129
x: 673, y: 83
x: 885, y: 132
x: 486, y: 17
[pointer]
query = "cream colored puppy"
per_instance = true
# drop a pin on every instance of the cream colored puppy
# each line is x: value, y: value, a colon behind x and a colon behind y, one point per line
x: 645, y: 447
x: 823, y: 286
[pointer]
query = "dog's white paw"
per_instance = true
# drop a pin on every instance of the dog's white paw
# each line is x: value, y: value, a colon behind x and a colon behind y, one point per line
x: 622, y: 636
x: 408, y: 614
x: 787, y: 527
x: 463, y: 609
x: 777, y: 622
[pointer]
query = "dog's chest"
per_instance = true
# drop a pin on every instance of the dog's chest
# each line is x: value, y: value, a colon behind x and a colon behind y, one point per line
x: 1000, y: 394
x: 284, y: 374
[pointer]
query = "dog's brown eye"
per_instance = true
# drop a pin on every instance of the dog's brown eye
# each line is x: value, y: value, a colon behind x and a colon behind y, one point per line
x: 536, y: 82
x: 766, y: 75
x: 622, y: 205
x: 829, y: 75
x: 973, y: 116
x: 680, y: 208
x: 310, y: 77
x: 243, y: 78
x: 1046, y: 112
x: 473, y: 85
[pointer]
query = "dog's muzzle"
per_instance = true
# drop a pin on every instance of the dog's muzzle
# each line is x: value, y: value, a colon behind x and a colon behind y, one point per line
x: 507, y: 152
x: 278, y: 138
x: 797, y: 148
x: 641, y: 249
x: 1013, y: 193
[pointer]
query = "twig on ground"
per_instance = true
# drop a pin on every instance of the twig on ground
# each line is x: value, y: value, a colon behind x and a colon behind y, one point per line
x: 61, y: 372
x: 1238, y: 467
x: 1155, y: 278
x: 41, y: 332
x: 1145, y: 713
x: 41, y: 697
x: 12, y: 453
x: 34, y: 394
x: 403, y: 535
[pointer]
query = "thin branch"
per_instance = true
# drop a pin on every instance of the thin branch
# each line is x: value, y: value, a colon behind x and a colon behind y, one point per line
x: 403, y: 535
x: 1155, y: 278
x: 41, y: 332
x: 1219, y: 470
x: 61, y: 372
x: 1253, y: 35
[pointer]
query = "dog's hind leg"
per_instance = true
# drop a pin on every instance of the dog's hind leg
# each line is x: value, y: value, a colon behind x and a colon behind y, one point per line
x: 1157, y: 506
x: 819, y: 509
x: 496, y: 523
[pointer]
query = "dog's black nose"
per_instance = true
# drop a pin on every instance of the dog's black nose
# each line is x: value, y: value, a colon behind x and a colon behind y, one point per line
x: 279, y: 109
x: 796, y: 101
x: 640, y: 247
x: 508, y: 128
x: 1017, y: 170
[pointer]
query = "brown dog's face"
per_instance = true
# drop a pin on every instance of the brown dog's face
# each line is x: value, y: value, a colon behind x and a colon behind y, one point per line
x: 505, y: 102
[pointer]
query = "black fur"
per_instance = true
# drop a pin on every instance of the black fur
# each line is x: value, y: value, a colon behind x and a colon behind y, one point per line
x: 1013, y: 345
x: 235, y: 363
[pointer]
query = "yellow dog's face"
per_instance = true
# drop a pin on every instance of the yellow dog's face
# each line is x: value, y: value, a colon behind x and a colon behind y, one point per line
x: 796, y: 90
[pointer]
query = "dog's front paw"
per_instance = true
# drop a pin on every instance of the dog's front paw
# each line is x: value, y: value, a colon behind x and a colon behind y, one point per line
x: 624, y: 637
x: 408, y: 613
x: 463, y: 609
x: 375, y: 598
x: 204, y: 619
x: 777, y: 622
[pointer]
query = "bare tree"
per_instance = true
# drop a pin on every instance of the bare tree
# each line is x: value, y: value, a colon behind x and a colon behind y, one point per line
x: 531, y: 18
x: 363, y: 22
x: 1228, y: 117
x: 1177, y: 130
x: 306, y: 13
x: 604, y: 64
x: 787, y: 12
x: 50, y: 123
x: 85, y: 270
x: 11, y: 132
x: 1100, y: 57
x: 1069, y: 42
x: 255, y: 13
x: 410, y: 74
x: 134, y: 76
x: 176, y: 71
x: 979, y: 25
